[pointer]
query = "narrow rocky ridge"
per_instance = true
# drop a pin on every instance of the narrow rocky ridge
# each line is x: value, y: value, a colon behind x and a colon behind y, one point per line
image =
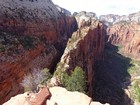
x: 81, y: 52
x: 51, y: 28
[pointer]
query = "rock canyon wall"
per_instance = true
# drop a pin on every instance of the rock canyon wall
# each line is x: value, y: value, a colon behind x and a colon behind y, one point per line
x: 49, y: 32
x: 126, y: 36
x: 51, y: 28
x: 123, y: 31
x: 25, y: 18
x: 84, y: 48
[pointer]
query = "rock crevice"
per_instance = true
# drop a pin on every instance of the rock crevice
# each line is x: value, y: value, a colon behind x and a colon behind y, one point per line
x: 84, y: 48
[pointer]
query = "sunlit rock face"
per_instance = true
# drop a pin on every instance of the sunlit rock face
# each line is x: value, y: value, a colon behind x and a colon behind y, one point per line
x: 123, y: 31
x: 126, y: 35
x: 84, y: 48
x: 85, y: 18
x: 111, y: 19
x: 29, y: 22
x: 53, y: 96
x: 39, y: 18
x: 108, y: 19
x: 134, y: 17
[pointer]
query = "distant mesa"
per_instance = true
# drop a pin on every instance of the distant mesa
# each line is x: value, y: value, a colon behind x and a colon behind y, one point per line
x: 111, y: 19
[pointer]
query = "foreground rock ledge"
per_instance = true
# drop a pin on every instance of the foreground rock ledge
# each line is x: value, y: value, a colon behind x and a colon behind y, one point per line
x: 52, y: 96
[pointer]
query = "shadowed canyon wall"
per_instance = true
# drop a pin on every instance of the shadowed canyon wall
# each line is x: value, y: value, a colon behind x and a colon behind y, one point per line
x: 126, y: 35
x: 41, y: 20
x: 124, y: 31
x: 84, y: 48
x: 51, y: 31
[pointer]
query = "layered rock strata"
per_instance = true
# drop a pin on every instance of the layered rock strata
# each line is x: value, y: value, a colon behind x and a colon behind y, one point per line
x: 41, y: 20
x: 126, y: 36
x: 123, y: 31
x: 111, y: 19
x: 84, y: 48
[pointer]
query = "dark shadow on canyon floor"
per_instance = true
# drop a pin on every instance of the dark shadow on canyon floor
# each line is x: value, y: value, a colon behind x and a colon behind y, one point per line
x: 109, y: 77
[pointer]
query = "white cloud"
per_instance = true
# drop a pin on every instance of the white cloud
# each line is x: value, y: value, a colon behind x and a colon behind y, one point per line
x: 122, y: 7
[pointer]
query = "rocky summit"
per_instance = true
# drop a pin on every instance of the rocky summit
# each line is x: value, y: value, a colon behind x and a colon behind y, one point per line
x: 79, y: 50
x: 52, y: 96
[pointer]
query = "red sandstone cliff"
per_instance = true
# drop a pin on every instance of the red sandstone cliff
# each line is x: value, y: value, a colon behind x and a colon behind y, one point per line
x: 126, y: 35
x: 41, y: 20
x: 84, y: 48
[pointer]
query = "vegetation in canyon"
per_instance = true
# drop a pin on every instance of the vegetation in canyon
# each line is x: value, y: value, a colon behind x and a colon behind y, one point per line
x: 76, y: 81
x: 134, y: 86
x: 36, y: 78
x: 48, y: 37
x: 116, y: 75
x: 109, y: 75
x: 13, y: 43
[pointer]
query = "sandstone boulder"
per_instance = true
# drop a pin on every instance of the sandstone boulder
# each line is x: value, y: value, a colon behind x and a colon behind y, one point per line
x: 63, y: 97
x: 59, y: 96
x: 21, y: 99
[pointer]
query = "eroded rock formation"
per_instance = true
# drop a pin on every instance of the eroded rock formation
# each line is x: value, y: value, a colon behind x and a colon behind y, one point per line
x: 124, y: 31
x: 56, y: 96
x: 36, y: 18
x: 126, y: 35
x: 85, y: 18
x: 84, y: 47
x: 111, y: 19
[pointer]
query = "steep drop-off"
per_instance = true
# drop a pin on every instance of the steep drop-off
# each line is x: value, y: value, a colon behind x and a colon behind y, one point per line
x: 84, y: 48
x: 123, y: 31
x: 34, y: 34
x: 109, y: 77
x: 20, y: 20
x: 126, y: 35
x: 114, y: 76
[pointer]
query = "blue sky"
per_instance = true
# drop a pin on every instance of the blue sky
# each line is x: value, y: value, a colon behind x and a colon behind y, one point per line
x: 101, y: 7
